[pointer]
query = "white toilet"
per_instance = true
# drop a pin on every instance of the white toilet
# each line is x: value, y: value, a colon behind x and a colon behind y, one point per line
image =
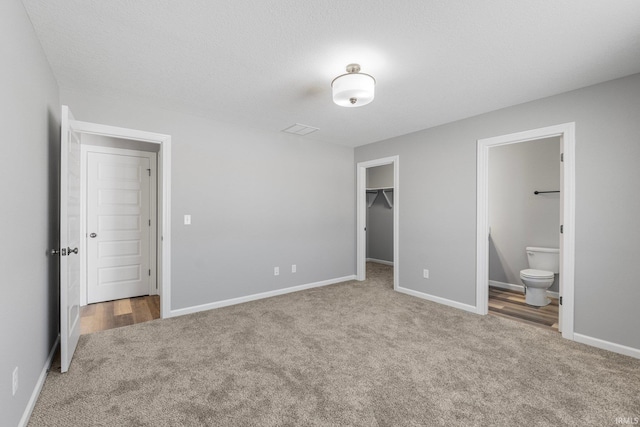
x: 544, y: 264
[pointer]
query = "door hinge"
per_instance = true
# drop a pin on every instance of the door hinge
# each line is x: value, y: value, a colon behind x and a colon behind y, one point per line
x: 149, y: 223
x: 560, y: 300
x: 561, y: 229
x: 562, y: 157
x: 149, y: 272
x: 149, y: 170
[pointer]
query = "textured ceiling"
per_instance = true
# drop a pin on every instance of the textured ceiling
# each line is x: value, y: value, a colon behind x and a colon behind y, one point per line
x: 268, y: 64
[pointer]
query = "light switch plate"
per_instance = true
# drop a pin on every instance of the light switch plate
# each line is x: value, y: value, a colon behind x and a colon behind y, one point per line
x: 187, y: 220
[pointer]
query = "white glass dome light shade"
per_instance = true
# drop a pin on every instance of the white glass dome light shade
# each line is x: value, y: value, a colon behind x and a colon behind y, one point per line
x: 353, y: 89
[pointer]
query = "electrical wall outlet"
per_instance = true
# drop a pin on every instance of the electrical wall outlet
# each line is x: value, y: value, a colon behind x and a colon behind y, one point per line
x: 425, y: 273
x: 276, y: 271
x: 15, y: 381
x: 187, y: 220
x: 293, y: 268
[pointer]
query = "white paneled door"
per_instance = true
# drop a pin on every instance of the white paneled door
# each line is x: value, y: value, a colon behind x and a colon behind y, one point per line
x: 69, y: 240
x: 119, y: 221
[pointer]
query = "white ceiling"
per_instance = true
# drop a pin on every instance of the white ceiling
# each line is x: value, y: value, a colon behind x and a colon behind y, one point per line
x: 268, y: 64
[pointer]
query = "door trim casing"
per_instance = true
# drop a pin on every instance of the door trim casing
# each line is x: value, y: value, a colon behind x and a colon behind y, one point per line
x: 164, y: 197
x: 566, y: 132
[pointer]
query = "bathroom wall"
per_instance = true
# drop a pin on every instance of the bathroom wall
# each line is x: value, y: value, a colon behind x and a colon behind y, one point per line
x: 519, y: 218
x: 380, y: 215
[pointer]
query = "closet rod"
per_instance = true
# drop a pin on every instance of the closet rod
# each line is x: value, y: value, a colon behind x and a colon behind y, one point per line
x: 541, y: 192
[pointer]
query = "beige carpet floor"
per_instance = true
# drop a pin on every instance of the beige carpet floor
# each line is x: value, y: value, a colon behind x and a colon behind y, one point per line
x: 351, y: 354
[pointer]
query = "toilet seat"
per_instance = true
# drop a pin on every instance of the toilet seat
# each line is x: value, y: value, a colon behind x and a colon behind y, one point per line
x: 532, y: 273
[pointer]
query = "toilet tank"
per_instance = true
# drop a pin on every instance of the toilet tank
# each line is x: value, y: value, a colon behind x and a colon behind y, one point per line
x: 544, y: 259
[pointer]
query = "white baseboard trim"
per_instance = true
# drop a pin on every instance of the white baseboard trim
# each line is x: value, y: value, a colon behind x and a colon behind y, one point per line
x: 503, y: 285
x: 38, y: 388
x: 439, y: 300
x: 240, y: 300
x: 606, y: 345
x: 379, y: 261
x: 518, y: 288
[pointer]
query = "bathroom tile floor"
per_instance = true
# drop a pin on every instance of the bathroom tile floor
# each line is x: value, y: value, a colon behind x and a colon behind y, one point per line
x: 511, y: 304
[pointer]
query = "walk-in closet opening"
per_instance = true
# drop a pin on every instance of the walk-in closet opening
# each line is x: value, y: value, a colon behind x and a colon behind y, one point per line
x: 378, y: 215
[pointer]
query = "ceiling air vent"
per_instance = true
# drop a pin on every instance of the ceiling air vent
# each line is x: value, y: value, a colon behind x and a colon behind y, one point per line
x: 299, y: 129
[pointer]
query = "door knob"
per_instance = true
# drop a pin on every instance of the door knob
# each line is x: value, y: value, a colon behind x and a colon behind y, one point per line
x: 54, y: 252
x: 72, y: 251
x: 92, y: 235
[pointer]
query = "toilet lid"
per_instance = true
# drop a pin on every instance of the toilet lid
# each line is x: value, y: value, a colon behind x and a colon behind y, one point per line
x: 536, y: 274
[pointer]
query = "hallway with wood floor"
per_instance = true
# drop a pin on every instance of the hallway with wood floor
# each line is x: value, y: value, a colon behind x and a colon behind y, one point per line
x: 114, y: 314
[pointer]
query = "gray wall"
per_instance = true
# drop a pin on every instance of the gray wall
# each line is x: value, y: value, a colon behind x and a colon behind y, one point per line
x: 380, y: 176
x: 257, y: 200
x: 438, y: 217
x: 30, y: 111
x: 519, y: 218
x: 380, y: 215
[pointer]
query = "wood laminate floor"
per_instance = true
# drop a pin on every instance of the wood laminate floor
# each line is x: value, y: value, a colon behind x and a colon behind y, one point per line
x: 113, y: 314
x: 510, y: 304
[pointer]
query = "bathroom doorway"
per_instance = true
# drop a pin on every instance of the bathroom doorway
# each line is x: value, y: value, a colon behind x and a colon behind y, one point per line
x: 524, y: 212
x: 565, y: 133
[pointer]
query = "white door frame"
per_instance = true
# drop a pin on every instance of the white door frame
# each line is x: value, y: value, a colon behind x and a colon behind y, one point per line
x: 154, y: 287
x: 164, y: 197
x: 361, y: 222
x: 566, y: 132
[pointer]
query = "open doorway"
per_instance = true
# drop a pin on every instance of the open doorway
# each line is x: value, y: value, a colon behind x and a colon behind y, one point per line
x: 124, y: 138
x: 566, y: 134
x: 378, y: 202
x: 524, y: 232
x: 119, y: 233
x: 72, y: 133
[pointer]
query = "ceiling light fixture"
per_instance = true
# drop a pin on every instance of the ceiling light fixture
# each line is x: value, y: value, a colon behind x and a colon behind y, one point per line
x: 353, y: 89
